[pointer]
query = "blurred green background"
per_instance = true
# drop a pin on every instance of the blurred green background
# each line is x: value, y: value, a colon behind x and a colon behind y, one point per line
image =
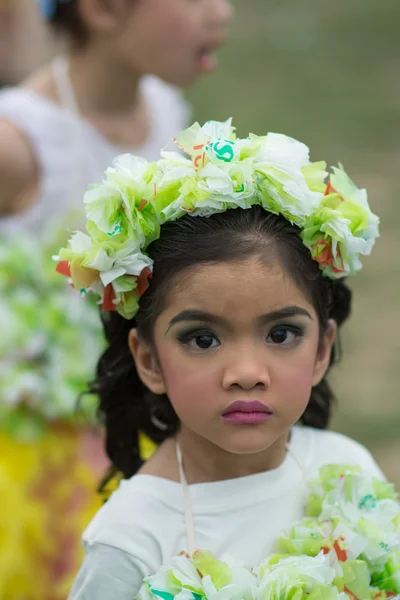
x: 328, y: 73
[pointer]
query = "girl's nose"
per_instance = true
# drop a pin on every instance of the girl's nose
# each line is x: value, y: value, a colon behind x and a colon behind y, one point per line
x: 247, y: 372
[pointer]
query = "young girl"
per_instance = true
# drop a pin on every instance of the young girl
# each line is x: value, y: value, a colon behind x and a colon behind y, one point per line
x: 61, y: 128
x: 225, y: 270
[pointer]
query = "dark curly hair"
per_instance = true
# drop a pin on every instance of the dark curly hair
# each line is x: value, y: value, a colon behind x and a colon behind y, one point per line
x: 127, y: 407
x: 67, y: 20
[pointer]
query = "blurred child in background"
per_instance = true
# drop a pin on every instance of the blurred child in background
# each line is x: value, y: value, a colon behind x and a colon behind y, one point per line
x: 113, y: 91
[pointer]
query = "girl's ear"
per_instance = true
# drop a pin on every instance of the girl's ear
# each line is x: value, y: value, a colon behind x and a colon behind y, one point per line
x: 103, y: 16
x: 146, y: 363
x: 324, y: 353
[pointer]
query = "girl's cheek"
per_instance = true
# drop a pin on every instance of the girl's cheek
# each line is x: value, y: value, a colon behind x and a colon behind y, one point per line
x: 299, y: 379
x: 187, y: 386
x: 294, y: 386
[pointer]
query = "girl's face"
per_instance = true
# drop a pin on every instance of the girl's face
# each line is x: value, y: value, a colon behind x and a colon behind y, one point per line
x: 237, y: 333
x: 174, y: 39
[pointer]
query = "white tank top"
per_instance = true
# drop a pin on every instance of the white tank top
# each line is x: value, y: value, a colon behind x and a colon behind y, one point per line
x: 71, y: 152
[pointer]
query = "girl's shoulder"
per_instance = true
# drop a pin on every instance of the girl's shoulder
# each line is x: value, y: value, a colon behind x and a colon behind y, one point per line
x: 135, y: 515
x: 38, y: 129
x: 42, y: 123
x: 27, y: 123
x: 20, y: 105
x: 19, y: 171
x: 320, y: 447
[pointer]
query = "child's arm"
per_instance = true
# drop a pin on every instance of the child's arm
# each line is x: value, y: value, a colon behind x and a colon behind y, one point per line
x: 19, y: 172
x: 108, y: 573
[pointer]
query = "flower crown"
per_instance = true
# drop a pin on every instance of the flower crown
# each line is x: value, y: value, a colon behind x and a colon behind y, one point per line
x: 218, y: 173
x: 48, y: 7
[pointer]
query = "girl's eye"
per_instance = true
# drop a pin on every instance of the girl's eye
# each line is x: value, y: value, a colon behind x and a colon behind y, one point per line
x: 284, y: 335
x: 198, y: 340
x: 205, y: 342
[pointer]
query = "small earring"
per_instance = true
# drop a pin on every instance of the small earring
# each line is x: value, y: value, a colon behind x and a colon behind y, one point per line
x: 157, y: 422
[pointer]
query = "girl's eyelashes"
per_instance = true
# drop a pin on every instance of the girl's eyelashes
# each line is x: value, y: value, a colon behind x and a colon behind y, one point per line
x: 198, y: 339
x: 285, y: 335
x: 203, y: 339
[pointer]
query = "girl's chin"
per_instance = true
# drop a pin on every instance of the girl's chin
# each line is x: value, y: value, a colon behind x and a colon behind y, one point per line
x: 190, y: 74
x: 250, y: 443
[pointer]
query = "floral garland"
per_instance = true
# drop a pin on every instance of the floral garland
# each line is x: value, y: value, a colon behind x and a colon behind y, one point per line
x: 49, y: 345
x: 219, y: 172
x: 348, y: 547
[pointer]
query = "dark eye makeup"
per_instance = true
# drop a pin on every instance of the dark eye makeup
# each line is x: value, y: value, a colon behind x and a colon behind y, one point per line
x: 205, y: 339
x: 282, y: 333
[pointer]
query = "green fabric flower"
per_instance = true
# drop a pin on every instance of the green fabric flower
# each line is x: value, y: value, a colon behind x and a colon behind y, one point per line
x: 352, y: 516
x: 387, y: 577
x: 341, y: 228
x: 202, y: 576
x: 297, y: 578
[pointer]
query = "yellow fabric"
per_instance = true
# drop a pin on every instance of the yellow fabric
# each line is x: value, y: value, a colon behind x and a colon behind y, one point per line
x: 146, y: 446
x: 48, y: 496
x: 47, y: 493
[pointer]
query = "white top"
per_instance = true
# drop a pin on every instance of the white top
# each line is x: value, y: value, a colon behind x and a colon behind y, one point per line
x: 142, y: 526
x: 71, y: 152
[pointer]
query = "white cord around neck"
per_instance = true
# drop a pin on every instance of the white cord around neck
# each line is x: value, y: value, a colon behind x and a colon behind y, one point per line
x: 187, y: 504
x: 187, y: 501
x: 62, y: 80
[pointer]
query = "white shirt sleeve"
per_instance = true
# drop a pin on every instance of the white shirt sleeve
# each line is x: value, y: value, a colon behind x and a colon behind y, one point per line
x: 106, y: 573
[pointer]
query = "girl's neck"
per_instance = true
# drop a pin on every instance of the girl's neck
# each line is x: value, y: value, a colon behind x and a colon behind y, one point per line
x: 107, y: 95
x: 204, y: 462
x: 103, y: 86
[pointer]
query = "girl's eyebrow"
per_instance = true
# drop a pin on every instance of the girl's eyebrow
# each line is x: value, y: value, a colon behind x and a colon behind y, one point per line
x: 199, y: 315
x: 287, y: 311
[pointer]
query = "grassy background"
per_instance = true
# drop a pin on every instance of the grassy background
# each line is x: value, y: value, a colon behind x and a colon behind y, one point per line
x: 328, y: 73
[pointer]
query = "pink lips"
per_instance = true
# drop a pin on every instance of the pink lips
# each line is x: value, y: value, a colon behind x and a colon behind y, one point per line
x: 206, y: 58
x: 247, y: 413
